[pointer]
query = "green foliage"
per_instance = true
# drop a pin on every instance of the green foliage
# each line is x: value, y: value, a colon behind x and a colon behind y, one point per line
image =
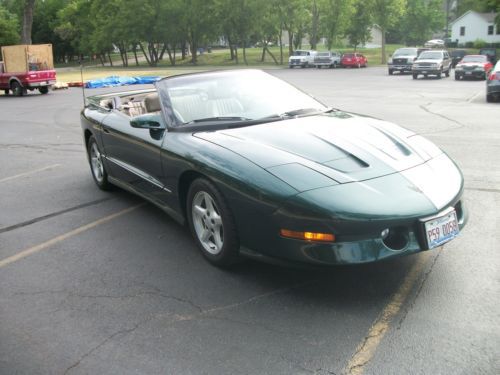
x: 421, y: 20
x: 9, y: 28
x: 359, y: 30
x: 479, y: 43
x: 386, y: 13
x: 335, y: 17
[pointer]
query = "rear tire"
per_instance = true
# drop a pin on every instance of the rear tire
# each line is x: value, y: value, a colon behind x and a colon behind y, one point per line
x: 390, y: 72
x: 415, y: 76
x: 43, y: 89
x: 490, y: 98
x: 99, y: 173
x: 212, y: 224
x: 17, y: 89
x: 6, y: 92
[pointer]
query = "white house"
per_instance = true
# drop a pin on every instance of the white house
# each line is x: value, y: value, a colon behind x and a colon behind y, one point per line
x: 472, y: 25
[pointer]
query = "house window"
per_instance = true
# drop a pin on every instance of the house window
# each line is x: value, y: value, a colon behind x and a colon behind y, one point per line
x: 490, y: 30
x: 462, y: 30
x: 498, y: 30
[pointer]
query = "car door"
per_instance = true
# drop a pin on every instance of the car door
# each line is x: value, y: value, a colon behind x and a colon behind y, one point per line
x: 134, y: 154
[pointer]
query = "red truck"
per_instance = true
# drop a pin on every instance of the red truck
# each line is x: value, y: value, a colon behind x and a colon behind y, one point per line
x: 27, y: 67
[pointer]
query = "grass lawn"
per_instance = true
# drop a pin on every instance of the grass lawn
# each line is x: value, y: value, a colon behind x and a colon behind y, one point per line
x: 217, y: 59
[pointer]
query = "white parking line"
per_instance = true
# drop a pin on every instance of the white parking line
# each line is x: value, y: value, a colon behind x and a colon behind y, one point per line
x: 37, y: 248
x: 30, y: 172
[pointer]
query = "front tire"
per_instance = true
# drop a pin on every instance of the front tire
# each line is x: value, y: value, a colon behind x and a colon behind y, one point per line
x: 490, y: 98
x: 212, y: 224
x: 390, y: 72
x: 97, y: 168
x: 415, y: 76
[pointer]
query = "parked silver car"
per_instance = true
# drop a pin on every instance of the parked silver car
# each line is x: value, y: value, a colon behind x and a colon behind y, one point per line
x: 434, y: 62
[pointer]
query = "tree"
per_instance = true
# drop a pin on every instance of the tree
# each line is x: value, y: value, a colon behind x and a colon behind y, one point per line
x: 386, y: 13
x: 29, y: 7
x: 359, y: 30
x: 421, y: 20
x: 334, y: 19
x: 9, y: 25
x: 293, y: 17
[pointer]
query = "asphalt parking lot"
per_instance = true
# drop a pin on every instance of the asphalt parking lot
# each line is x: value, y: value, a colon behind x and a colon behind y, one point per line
x: 103, y: 283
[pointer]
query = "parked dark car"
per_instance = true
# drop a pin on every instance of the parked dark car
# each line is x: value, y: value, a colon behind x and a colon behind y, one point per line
x: 493, y: 84
x: 457, y: 55
x: 491, y: 53
x: 473, y: 66
x: 257, y: 168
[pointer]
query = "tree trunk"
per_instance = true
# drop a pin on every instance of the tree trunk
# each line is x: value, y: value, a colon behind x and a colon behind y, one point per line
x: 384, y: 57
x: 145, y: 54
x: 281, y: 46
x: 245, y: 53
x: 102, y: 60
x: 271, y: 54
x: 313, y: 41
x: 290, y: 42
x: 29, y: 6
x: 109, y: 58
x: 183, y: 50
x: 135, y: 54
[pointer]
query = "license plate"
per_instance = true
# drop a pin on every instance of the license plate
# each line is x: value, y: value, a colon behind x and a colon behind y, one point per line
x: 424, y: 71
x: 468, y: 73
x: 441, y: 229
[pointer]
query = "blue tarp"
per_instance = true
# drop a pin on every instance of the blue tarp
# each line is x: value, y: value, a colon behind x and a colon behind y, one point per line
x: 119, y: 81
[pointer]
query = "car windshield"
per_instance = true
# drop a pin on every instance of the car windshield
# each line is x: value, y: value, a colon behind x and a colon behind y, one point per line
x: 405, y: 52
x: 430, y: 55
x: 239, y: 96
x: 299, y: 53
x: 480, y: 59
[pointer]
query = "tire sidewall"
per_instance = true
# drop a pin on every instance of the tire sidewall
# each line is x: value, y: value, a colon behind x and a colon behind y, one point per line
x: 230, y: 248
x: 104, y: 184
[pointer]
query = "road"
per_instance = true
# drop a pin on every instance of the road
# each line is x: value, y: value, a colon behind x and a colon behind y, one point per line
x: 103, y: 283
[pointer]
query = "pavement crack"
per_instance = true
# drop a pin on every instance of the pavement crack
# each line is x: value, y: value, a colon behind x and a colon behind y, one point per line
x: 54, y: 214
x: 425, y: 108
x: 419, y: 290
x: 104, y: 342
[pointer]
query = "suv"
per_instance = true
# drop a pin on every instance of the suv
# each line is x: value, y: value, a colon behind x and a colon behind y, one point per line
x: 402, y: 59
x: 435, y: 62
x: 301, y: 58
x: 328, y: 59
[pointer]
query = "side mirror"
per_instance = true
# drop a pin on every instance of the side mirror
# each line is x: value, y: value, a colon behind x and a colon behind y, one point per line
x: 147, y: 121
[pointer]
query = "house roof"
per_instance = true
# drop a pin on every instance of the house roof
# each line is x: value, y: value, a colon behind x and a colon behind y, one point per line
x: 487, y: 17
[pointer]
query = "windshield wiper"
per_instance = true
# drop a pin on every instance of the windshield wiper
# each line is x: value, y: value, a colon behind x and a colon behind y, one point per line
x: 218, y: 118
x: 294, y: 113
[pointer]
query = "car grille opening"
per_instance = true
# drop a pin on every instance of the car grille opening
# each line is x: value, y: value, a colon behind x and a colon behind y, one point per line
x: 396, y: 239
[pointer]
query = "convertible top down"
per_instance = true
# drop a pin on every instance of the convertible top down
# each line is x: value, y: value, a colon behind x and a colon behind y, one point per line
x: 257, y: 168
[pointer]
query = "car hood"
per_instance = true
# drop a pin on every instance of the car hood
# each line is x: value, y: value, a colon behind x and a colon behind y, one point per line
x: 469, y: 64
x: 325, y: 150
x: 429, y: 61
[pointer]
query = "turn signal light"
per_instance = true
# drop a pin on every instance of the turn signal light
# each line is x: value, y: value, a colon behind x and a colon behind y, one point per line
x: 308, y: 236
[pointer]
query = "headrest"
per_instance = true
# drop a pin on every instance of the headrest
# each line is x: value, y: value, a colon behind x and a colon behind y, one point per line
x: 152, y: 103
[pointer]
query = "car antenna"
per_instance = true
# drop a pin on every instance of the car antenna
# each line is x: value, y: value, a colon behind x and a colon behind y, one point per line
x: 83, y: 83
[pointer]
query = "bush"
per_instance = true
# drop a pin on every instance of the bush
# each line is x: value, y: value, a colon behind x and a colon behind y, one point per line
x: 479, y: 43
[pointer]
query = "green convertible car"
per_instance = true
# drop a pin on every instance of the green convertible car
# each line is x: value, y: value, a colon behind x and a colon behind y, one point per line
x: 257, y: 168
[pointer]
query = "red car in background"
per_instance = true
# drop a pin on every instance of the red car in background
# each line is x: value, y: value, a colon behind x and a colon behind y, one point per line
x: 352, y: 60
x: 473, y: 66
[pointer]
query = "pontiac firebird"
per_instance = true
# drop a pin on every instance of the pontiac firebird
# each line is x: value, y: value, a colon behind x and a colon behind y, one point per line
x: 257, y: 168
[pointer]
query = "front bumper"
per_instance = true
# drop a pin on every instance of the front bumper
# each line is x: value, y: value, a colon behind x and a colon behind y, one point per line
x: 400, y: 67
x: 287, y: 251
x: 470, y: 74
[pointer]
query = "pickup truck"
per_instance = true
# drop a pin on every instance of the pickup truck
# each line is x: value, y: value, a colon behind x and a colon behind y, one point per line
x: 301, y: 58
x: 27, y: 67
